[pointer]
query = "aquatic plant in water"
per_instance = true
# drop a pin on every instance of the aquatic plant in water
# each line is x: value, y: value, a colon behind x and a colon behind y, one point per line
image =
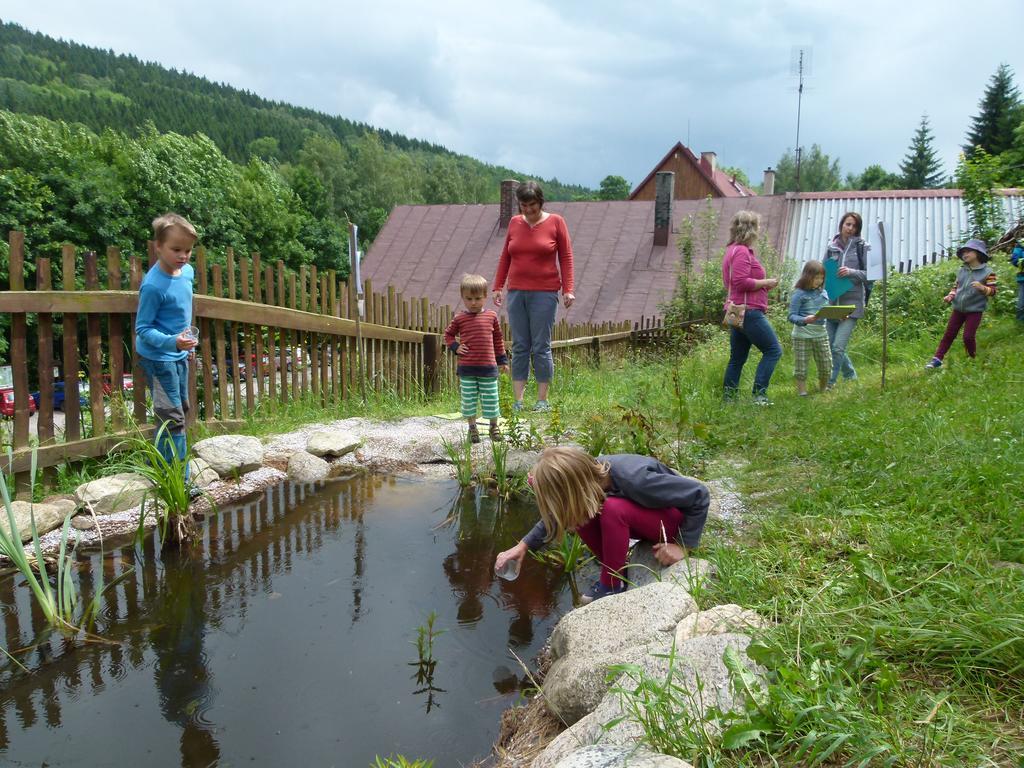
x: 400, y: 761
x: 425, y: 663
x: 570, y: 554
x: 170, y: 489
x: 58, y: 601
x: 461, y: 455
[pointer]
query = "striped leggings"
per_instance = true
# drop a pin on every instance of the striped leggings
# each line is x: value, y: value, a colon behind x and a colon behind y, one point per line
x: 482, y: 389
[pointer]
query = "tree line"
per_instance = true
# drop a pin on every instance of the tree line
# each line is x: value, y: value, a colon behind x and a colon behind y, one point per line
x: 327, y: 163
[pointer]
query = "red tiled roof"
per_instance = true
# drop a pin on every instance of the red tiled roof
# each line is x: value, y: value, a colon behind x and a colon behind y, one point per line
x: 423, y: 250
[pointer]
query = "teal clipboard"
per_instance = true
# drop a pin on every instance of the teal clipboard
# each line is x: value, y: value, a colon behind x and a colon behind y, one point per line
x: 835, y: 286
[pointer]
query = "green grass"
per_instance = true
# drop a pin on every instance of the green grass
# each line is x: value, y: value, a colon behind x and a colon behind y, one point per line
x: 876, y: 540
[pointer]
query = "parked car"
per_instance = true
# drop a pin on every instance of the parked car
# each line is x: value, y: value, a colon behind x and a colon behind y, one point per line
x: 127, y: 383
x: 7, y: 403
x: 58, y: 396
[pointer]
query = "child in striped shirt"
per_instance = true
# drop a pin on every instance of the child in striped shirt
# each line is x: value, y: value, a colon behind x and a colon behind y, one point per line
x: 475, y: 336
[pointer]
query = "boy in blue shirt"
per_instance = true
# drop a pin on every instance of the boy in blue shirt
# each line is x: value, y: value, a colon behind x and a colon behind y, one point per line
x: 163, y: 340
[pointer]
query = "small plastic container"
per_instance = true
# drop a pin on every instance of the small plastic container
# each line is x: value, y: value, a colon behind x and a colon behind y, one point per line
x: 510, y: 571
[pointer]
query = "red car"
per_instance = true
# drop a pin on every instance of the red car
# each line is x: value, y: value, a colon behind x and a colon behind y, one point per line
x: 7, y: 402
x: 127, y: 383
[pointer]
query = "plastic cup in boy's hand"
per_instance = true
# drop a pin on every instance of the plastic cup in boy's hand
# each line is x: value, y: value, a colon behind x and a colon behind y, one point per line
x: 192, y: 332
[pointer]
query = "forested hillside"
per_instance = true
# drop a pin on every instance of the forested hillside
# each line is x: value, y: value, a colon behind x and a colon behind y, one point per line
x: 326, y: 170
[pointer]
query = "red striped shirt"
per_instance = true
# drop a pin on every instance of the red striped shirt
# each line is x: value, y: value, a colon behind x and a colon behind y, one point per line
x: 481, y: 333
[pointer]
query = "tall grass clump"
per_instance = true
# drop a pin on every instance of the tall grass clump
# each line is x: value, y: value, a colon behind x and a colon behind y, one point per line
x: 53, y: 586
x: 169, y: 487
x: 460, y: 453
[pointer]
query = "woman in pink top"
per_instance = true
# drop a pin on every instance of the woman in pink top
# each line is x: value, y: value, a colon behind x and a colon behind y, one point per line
x: 746, y: 283
x: 537, y: 262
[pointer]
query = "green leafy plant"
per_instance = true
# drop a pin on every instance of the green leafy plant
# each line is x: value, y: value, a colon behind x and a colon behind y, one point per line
x: 460, y: 453
x: 400, y: 761
x: 169, y: 488
x: 568, y: 555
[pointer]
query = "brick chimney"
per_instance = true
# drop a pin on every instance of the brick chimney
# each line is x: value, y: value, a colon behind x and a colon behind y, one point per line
x: 664, y: 186
x: 709, y: 162
x: 509, y: 203
x: 768, y: 187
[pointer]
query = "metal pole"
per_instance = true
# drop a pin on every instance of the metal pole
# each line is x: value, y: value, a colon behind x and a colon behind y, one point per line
x: 355, y: 274
x: 885, y: 301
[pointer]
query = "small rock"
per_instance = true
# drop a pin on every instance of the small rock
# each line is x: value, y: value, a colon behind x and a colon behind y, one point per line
x: 113, y: 493
x: 608, y: 756
x: 332, y: 443
x: 230, y: 455
x: 520, y: 462
x: 83, y: 522
x: 47, y: 517
x: 306, y: 468
x: 718, y: 621
x: 201, y: 473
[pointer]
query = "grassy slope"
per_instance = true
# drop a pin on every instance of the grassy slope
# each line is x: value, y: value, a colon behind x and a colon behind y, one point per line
x: 880, y: 520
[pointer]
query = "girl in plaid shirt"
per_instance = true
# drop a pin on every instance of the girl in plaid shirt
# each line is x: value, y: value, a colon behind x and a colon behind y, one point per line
x: 810, y: 338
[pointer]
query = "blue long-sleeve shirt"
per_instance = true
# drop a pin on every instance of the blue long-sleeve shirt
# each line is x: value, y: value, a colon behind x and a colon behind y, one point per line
x: 165, y: 310
x: 802, y: 304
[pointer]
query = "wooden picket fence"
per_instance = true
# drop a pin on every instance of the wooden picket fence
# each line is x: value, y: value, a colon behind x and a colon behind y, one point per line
x: 253, y: 318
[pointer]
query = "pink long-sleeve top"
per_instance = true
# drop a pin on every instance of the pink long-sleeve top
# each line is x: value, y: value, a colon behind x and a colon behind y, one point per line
x: 740, y: 271
x: 536, y: 258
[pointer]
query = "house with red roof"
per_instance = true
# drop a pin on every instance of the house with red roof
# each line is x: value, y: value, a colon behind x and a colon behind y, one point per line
x: 694, y: 179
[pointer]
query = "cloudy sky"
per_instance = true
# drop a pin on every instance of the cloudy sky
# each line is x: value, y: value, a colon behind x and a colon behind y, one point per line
x: 579, y: 89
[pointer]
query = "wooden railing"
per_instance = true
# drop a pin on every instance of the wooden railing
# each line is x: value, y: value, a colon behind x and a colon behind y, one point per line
x: 266, y: 333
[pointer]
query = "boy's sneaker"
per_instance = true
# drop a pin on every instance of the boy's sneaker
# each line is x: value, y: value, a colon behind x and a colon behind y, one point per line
x: 598, y: 590
x: 542, y: 406
x: 762, y: 400
x: 194, y: 492
x: 517, y: 406
x: 933, y: 363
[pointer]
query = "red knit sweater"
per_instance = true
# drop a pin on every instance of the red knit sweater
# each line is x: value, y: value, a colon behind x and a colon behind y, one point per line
x: 533, y: 256
x: 481, y: 332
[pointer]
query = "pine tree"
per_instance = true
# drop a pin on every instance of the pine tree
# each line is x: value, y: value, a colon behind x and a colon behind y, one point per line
x: 1000, y: 113
x: 921, y: 169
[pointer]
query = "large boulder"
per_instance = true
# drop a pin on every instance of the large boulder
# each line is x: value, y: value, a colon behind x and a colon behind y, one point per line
x: 606, y: 756
x: 48, y: 516
x: 332, y: 443
x: 306, y: 468
x: 613, y: 630
x: 698, y: 671
x: 201, y: 473
x: 113, y: 493
x: 230, y: 455
x: 717, y: 621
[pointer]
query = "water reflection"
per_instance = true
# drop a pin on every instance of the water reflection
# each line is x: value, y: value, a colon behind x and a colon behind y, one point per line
x: 288, y: 628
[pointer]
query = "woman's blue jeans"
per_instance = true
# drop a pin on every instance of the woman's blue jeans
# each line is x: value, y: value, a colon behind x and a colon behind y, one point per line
x: 839, y: 332
x: 757, y: 332
x: 531, y: 316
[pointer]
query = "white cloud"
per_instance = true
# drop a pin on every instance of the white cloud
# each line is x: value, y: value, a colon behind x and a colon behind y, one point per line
x: 579, y: 89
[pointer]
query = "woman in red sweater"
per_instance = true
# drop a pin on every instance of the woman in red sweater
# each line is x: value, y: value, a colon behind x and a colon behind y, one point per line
x: 537, y: 261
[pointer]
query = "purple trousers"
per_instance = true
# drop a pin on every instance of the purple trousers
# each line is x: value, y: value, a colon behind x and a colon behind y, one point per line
x: 970, y: 322
x: 608, y: 534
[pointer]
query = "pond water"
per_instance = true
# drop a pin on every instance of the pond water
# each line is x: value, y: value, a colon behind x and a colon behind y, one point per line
x: 289, y: 637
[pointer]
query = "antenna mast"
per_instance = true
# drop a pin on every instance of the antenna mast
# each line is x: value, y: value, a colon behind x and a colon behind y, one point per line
x: 801, y: 65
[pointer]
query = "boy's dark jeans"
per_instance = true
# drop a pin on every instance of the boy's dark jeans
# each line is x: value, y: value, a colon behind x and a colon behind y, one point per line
x: 758, y: 332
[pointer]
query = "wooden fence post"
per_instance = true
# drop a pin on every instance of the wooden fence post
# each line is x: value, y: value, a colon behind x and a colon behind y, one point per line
x: 19, y: 361
x: 431, y: 364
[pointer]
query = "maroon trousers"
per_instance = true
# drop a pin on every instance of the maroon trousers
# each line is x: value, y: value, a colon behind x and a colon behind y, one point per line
x: 608, y: 534
x: 970, y: 322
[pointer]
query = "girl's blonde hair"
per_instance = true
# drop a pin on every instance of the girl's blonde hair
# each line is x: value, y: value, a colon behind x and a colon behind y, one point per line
x: 812, y: 270
x: 743, y: 230
x: 570, y: 489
